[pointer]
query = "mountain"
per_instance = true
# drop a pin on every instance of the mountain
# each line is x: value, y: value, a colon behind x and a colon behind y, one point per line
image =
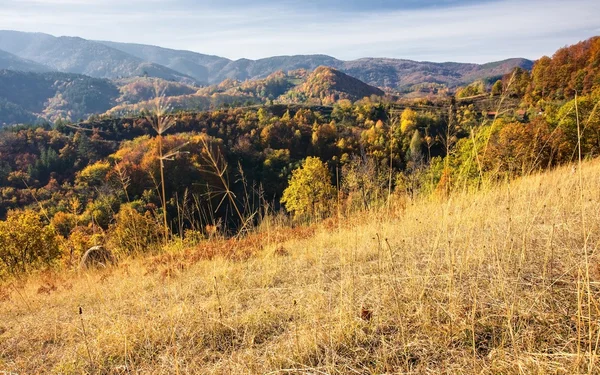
x: 255, y: 69
x: 402, y: 74
x: 330, y: 85
x: 80, y: 56
x: 105, y: 59
x: 26, y: 97
x: 13, y: 62
x: 196, y: 65
x: 324, y: 86
x: 380, y: 72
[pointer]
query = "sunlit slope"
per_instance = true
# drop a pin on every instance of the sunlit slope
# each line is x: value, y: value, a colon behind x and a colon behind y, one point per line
x: 488, y: 283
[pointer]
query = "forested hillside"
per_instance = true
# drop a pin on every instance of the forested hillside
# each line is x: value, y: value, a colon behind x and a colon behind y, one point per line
x: 226, y: 165
x: 573, y: 69
x: 28, y: 97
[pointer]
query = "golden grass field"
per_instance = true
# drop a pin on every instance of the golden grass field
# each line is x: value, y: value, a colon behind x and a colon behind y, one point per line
x: 504, y: 281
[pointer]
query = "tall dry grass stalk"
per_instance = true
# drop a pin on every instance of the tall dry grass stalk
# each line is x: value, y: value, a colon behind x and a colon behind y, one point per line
x: 161, y: 121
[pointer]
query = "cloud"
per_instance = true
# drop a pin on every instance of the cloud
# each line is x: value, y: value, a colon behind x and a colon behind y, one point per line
x: 449, y: 30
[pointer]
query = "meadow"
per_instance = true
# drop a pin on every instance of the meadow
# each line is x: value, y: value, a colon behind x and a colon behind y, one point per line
x: 500, y: 281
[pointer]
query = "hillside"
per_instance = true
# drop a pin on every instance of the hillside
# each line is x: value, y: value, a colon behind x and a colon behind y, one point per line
x: 402, y: 74
x: 328, y: 85
x: 80, y: 56
x: 571, y: 69
x: 135, y: 90
x: 29, y: 96
x: 201, y: 67
x: 324, y: 86
x: 13, y: 62
x: 477, y: 290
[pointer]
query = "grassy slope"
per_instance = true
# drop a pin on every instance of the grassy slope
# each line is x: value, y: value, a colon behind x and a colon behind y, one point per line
x: 483, y: 283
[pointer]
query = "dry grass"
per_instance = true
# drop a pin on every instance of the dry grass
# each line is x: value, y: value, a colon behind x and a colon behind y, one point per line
x: 488, y: 283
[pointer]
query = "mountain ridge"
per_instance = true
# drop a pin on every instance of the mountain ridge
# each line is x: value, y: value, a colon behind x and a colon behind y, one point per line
x: 13, y: 62
x: 81, y: 56
x: 244, y: 68
x: 106, y: 59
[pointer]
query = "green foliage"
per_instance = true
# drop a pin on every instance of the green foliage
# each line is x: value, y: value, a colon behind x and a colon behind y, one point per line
x: 517, y: 83
x: 26, y: 243
x: 497, y: 88
x: 309, y: 192
x: 586, y: 109
x: 474, y: 89
x: 364, y: 183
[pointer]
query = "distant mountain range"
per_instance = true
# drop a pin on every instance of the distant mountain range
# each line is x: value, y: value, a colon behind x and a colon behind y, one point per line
x: 102, y: 59
x: 80, y: 56
x: 43, y: 77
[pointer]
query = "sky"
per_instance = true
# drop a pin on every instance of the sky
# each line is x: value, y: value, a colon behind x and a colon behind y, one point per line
x: 425, y: 30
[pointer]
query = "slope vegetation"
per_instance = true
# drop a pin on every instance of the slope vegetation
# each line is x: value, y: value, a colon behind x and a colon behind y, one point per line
x: 30, y: 96
x: 502, y: 281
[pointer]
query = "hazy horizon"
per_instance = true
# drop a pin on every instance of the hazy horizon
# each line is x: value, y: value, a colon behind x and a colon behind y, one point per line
x: 431, y: 30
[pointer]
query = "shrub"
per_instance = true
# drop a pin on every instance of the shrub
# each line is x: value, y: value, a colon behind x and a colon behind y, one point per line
x: 134, y: 232
x: 26, y: 243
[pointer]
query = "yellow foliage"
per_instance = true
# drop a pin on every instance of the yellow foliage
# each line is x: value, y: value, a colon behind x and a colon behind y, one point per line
x: 134, y: 232
x: 94, y: 174
x: 408, y: 120
x: 310, y: 191
x: 26, y: 242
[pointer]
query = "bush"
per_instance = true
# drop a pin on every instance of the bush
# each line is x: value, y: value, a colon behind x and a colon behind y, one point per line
x: 135, y: 233
x: 26, y: 243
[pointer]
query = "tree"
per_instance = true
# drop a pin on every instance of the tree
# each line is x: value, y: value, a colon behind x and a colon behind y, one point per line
x: 497, y: 88
x: 25, y: 242
x: 474, y: 89
x: 408, y: 120
x: 416, y: 145
x: 309, y: 191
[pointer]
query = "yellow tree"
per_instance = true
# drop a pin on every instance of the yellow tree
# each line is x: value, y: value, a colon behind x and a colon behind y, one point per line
x: 309, y: 192
x: 25, y: 242
x: 408, y: 120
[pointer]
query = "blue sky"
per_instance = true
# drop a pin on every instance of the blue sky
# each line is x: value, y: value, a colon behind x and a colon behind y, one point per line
x: 433, y: 30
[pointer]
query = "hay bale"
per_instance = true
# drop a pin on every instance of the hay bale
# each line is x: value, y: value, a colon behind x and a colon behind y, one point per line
x: 97, y: 256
